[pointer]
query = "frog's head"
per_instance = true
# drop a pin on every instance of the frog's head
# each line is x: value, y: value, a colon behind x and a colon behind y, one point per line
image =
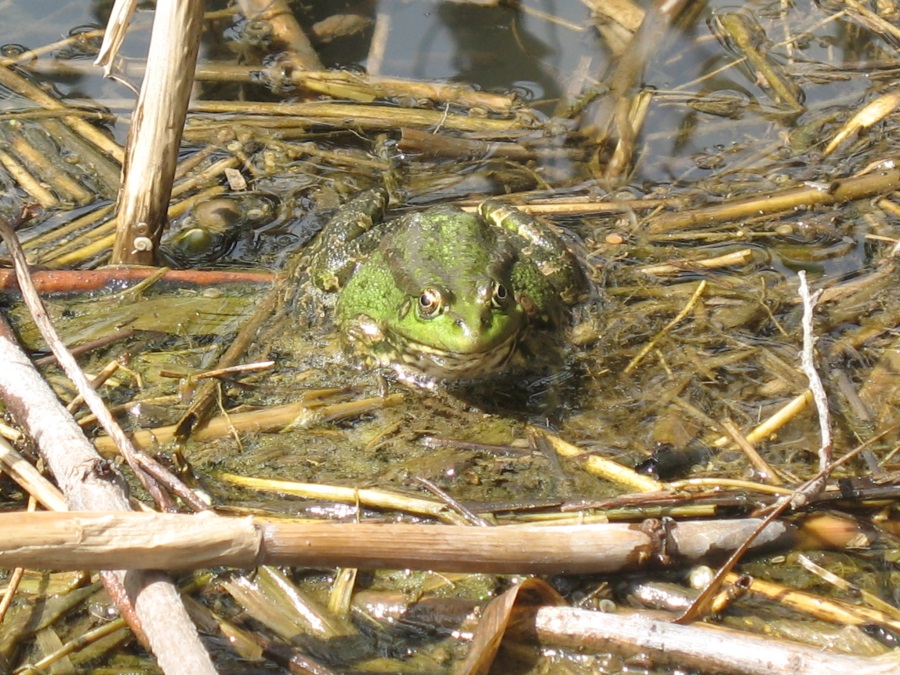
x: 453, y: 313
x: 452, y: 333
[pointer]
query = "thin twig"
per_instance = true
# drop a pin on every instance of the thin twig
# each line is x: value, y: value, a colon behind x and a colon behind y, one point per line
x: 695, y: 298
x: 807, y: 363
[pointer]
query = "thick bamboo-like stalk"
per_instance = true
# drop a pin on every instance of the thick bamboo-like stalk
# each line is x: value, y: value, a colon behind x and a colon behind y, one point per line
x: 178, y: 541
x: 155, y: 136
x: 363, y: 87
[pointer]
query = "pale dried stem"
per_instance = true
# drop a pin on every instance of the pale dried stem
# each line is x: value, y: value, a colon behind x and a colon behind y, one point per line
x: 155, y: 137
x: 602, y: 467
x: 762, y: 467
x: 741, y: 257
x: 116, y: 29
x: 825, y: 609
x: 274, y: 418
x: 373, y: 498
x: 67, y: 187
x: 352, y: 116
x: 362, y: 87
x: 82, y: 128
x: 30, y: 479
x: 858, y: 187
x: 775, y: 422
x: 41, y: 194
x: 180, y: 541
x: 695, y: 298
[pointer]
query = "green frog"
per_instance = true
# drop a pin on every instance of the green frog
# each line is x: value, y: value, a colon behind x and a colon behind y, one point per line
x: 442, y: 294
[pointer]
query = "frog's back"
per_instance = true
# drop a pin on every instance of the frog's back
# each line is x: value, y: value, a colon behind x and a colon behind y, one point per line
x: 445, y: 247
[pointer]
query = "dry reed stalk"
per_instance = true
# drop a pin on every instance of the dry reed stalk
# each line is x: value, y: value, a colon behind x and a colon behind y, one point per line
x: 604, y: 468
x: 368, y: 497
x: 274, y: 418
x: 881, y: 181
x: 179, y: 541
x: 359, y: 116
x: 833, y: 611
x: 155, y: 137
x: 41, y: 194
x: 80, y: 127
x: 41, y: 161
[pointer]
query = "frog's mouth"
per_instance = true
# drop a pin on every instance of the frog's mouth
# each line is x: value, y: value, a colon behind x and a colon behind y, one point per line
x: 449, y: 365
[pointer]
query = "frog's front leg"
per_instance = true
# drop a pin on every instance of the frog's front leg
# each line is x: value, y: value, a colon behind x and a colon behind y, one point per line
x: 342, y: 242
x: 543, y: 247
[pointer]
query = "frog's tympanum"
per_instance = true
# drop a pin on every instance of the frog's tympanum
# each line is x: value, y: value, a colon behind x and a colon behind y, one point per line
x: 442, y: 294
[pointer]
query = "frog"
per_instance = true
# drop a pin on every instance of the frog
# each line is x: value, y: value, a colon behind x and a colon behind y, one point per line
x: 442, y: 294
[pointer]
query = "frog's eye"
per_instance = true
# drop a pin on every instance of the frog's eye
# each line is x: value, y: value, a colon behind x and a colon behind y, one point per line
x: 499, y: 295
x: 430, y: 303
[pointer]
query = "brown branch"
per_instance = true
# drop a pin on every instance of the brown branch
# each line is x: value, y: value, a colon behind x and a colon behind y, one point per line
x: 75, y: 281
x: 69, y: 364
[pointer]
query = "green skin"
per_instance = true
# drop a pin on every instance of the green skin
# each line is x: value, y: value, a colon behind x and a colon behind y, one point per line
x: 442, y: 294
